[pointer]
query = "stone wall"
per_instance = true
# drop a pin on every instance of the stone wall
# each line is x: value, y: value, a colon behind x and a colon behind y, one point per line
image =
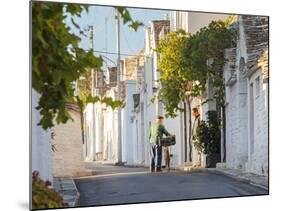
x: 256, y: 39
x: 130, y: 64
x: 68, y: 157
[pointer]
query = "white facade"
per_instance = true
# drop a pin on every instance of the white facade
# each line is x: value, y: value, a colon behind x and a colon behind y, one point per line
x: 146, y: 111
x: 246, y: 105
x: 193, y: 21
x: 258, y: 124
x: 110, y: 131
x: 128, y: 131
x: 246, y: 109
x: 100, y: 125
x: 41, y: 148
x: 89, y: 126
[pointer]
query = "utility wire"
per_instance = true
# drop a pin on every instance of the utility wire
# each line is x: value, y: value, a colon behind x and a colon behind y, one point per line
x: 126, y: 41
x: 124, y: 54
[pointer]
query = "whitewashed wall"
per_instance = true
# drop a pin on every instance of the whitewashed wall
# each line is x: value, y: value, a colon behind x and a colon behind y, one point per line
x: 236, y: 112
x: 258, y: 145
x: 41, y: 152
x: 110, y: 135
x: 89, y: 145
x: 246, y: 148
x: 128, y: 129
x: 148, y: 108
x: 101, y: 131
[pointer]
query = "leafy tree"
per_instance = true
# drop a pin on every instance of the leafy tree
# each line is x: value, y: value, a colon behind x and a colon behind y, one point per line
x: 185, y: 71
x: 173, y: 78
x: 57, y: 60
x: 207, y: 44
x: 85, y: 86
x: 183, y: 64
x: 127, y: 19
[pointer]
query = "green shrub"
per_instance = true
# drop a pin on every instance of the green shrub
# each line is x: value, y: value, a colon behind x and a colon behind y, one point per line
x: 43, y: 196
x: 207, y: 139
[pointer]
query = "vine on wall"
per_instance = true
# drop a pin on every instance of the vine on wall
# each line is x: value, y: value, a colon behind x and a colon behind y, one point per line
x: 58, y: 61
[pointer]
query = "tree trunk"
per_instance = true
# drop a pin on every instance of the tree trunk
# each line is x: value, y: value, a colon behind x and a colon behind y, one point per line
x: 190, y: 128
x: 185, y: 135
x: 82, y: 127
x: 224, y: 133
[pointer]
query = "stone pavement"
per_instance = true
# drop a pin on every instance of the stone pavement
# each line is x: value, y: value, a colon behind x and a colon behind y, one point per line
x: 67, y: 188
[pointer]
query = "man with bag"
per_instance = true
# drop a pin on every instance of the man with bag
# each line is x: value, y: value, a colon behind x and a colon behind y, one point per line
x: 157, y: 130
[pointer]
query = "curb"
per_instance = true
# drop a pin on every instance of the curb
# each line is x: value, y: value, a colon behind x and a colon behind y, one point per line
x: 241, y: 178
x: 231, y: 175
x: 77, y: 193
x: 68, y: 190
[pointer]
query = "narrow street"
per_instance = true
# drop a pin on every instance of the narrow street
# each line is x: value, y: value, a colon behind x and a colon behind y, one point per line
x: 133, y: 86
x: 121, y: 185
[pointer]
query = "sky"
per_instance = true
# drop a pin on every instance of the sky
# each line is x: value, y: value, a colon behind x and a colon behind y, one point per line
x: 131, y: 42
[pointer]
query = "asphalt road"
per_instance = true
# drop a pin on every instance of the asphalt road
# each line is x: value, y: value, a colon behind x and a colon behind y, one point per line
x: 120, y: 185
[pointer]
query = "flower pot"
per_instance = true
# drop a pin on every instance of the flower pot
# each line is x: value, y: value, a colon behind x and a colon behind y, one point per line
x: 212, y: 160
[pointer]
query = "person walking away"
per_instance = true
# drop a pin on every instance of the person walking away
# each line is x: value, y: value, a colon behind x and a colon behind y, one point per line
x: 157, y: 130
x: 196, y: 156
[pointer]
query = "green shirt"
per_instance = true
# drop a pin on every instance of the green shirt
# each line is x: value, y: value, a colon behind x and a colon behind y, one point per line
x: 156, y: 131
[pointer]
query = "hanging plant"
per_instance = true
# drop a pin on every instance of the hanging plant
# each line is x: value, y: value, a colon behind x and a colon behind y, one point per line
x: 58, y: 61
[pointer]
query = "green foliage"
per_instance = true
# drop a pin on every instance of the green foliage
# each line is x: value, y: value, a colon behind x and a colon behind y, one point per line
x: 173, y: 78
x: 43, y: 197
x: 207, y: 138
x: 208, y: 44
x: 231, y: 20
x: 85, y: 86
x: 57, y: 61
x: 112, y: 103
x: 183, y: 64
x: 127, y: 19
x: 200, y: 140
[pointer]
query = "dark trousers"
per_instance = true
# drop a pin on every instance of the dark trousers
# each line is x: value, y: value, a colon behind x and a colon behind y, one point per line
x: 156, y: 157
